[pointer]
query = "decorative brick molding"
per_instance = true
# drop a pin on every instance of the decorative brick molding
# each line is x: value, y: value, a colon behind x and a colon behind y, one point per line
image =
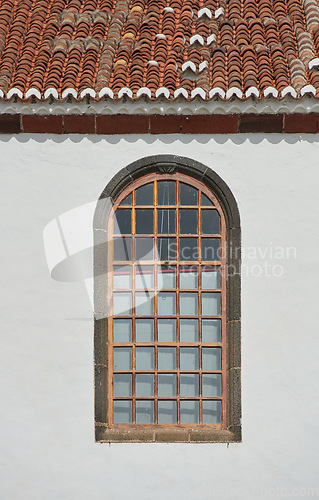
x: 121, y: 124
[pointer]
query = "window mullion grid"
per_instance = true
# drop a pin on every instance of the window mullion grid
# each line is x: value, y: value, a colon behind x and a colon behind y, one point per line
x: 178, y: 377
x: 223, y: 313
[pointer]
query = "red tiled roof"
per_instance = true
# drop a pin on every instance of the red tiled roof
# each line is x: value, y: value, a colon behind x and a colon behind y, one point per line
x: 159, y: 47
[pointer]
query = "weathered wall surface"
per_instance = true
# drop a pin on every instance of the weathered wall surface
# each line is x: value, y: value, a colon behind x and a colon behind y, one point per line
x: 48, y: 449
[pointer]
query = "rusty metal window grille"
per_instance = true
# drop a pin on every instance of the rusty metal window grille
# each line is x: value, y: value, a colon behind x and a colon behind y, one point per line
x: 167, y: 306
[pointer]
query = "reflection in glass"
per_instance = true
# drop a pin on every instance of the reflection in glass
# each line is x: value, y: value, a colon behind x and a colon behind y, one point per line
x: 144, y: 385
x: 123, y: 221
x: 188, y: 249
x: 189, y: 412
x: 166, y: 277
x: 167, y: 358
x: 167, y: 412
x: 144, y: 277
x: 166, y: 221
x: 211, y: 249
x: 122, y: 385
x: 122, y: 303
x: 122, y: 411
x: 127, y: 200
x: 187, y: 194
x: 122, y: 330
x: 122, y: 277
x: 188, y: 304
x: 166, y: 248
x: 211, y: 385
x: 206, y: 202
x: 145, y: 412
x: 144, y: 330
x: 122, y: 249
x: 167, y: 385
x: 211, y: 358
x: 166, y: 303
x: 166, y: 193
x: 211, y: 330
x: 144, y: 249
x: 145, y: 358
x: 166, y: 330
x: 212, y: 412
x: 145, y: 195
x: 188, y: 276
x: 144, y: 303
x: 189, y: 385
x: 189, y: 358
x: 210, y: 222
x: 188, y: 221
x: 144, y: 223
x: 189, y: 330
x: 210, y: 303
x: 122, y: 358
x: 210, y: 278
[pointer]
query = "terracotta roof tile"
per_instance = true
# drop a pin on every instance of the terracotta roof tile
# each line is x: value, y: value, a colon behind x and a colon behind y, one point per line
x: 155, y: 47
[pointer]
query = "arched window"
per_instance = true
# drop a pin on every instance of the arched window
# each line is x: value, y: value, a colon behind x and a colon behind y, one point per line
x: 165, y: 330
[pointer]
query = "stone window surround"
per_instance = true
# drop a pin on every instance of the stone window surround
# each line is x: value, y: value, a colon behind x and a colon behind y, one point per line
x: 169, y: 163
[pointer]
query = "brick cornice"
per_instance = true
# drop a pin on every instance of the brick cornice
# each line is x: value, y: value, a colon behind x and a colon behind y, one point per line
x: 122, y: 124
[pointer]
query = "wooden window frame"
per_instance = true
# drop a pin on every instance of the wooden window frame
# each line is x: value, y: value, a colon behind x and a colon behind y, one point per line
x: 147, y: 170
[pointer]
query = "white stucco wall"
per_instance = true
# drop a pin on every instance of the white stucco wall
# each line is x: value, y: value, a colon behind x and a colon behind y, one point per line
x: 46, y: 433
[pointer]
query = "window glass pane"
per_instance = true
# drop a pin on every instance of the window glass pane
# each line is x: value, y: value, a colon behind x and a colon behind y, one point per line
x: 144, y: 303
x: 211, y: 358
x: 122, y: 303
x: 166, y: 277
x: 144, y: 249
x: 188, y: 276
x: 189, y: 412
x: 122, y: 412
x: 166, y: 221
x: 188, y: 304
x: 166, y: 330
x: 144, y: 223
x: 211, y: 249
x: 145, y: 358
x: 145, y: 195
x: 122, y: 248
x: 122, y: 385
x: 167, y: 385
x: 122, y: 277
x: 187, y: 194
x: 144, y: 330
x: 212, y: 412
x: 144, y: 385
x: 122, y: 358
x: 145, y: 412
x: 144, y: 277
x: 167, y: 412
x: 189, y: 385
x: 122, y: 330
x: 189, y: 358
x: 166, y: 193
x: 211, y: 385
x: 210, y: 304
x: 211, y: 330
x: 189, y: 330
x: 123, y: 221
x: 188, y: 221
x: 188, y: 249
x: 206, y: 202
x: 166, y: 248
x: 210, y: 277
x: 127, y: 200
x: 166, y: 303
x: 210, y: 222
x: 167, y: 358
